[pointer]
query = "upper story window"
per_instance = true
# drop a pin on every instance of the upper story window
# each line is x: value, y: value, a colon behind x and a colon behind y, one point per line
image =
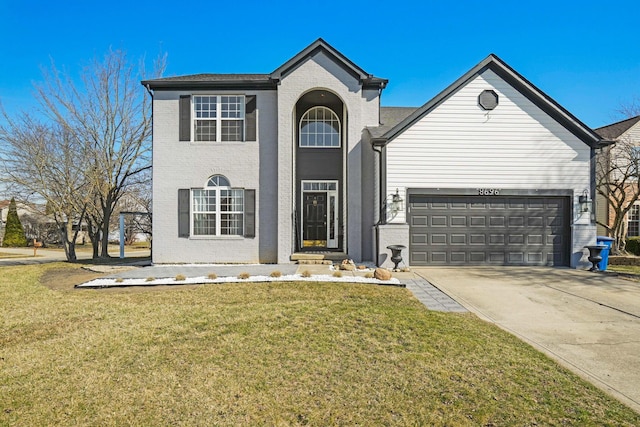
x: 217, y: 209
x: 218, y: 117
x: 320, y: 128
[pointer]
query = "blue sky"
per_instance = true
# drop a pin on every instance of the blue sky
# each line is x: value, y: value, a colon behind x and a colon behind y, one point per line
x: 585, y: 55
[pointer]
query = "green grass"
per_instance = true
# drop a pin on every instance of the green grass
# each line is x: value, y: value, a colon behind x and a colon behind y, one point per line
x: 629, y: 269
x: 269, y: 354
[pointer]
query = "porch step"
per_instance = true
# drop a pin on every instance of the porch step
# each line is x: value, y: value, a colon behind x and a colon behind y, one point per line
x: 318, y: 257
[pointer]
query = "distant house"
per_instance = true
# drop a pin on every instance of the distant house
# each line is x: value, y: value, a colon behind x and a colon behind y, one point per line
x: 4, y: 210
x: 627, y: 134
x: 31, y: 218
x: 262, y: 167
x: 36, y: 223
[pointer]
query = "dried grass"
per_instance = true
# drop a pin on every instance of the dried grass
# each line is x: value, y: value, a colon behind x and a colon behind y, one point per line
x: 270, y: 354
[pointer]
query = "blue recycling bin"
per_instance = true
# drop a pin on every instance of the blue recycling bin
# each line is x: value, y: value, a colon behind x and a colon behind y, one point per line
x: 608, y: 242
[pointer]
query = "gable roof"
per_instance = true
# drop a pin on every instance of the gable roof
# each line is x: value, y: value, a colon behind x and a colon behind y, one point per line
x: 531, y: 92
x: 322, y: 46
x: 266, y: 81
x: 615, y: 130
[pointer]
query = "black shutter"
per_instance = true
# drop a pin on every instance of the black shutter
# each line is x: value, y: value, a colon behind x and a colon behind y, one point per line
x: 250, y: 118
x: 249, y: 213
x: 184, y: 212
x: 185, y: 117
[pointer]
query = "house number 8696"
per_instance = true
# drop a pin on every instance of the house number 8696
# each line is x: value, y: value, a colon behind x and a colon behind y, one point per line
x: 488, y: 191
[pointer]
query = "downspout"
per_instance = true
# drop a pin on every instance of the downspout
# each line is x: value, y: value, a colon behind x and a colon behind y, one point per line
x: 380, y: 198
x: 150, y: 92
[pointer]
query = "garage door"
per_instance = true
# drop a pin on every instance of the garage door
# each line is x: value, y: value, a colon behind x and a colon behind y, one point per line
x: 495, y: 230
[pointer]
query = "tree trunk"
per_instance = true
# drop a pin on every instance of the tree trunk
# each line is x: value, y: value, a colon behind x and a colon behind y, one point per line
x: 69, y: 245
x: 105, y: 228
x: 94, y: 236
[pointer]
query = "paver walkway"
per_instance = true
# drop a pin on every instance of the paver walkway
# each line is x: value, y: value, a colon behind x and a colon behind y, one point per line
x: 431, y: 296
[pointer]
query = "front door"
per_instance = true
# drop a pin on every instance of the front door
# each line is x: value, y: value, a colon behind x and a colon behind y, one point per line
x: 314, y: 220
x: 319, y: 215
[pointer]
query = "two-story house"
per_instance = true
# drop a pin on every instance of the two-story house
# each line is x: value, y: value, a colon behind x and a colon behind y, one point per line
x: 618, y: 179
x: 254, y: 168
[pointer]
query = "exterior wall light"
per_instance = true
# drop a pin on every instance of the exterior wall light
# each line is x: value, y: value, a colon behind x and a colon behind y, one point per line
x: 585, y: 203
x: 396, y: 203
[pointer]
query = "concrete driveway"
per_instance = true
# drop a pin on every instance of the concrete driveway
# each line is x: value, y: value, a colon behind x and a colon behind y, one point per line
x: 588, y: 322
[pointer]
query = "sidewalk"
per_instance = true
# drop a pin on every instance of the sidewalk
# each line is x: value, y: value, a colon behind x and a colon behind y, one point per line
x: 24, y: 256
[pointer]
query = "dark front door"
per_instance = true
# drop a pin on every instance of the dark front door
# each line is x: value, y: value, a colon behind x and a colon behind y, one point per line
x: 315, y: 220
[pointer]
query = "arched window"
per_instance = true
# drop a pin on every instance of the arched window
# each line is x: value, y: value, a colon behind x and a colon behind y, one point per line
x: 320, y: 128
x: 218, y: 209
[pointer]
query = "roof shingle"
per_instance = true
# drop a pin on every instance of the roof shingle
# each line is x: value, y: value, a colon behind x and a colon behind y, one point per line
x: 614, y: 130
x: 389, y: 117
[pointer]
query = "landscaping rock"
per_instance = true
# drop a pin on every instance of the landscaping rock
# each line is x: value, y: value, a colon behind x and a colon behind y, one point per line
x: 382, y: 274
x: 348, y: 265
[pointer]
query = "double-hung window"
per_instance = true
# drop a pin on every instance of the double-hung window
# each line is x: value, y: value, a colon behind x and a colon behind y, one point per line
x: 633, y: 224
x: 218, y: 117
x: 217, y: 209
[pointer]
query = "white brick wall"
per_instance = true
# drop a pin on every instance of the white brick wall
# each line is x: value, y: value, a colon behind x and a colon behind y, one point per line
x: 179, y: 164
x: 320, y: 72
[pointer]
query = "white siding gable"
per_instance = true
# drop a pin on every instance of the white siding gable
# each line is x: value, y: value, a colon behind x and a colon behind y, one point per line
x: 632, y: 134
x: 460, y: 145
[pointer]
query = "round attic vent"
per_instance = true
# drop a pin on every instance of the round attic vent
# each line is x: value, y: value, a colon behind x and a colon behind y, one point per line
x: 488, y: 99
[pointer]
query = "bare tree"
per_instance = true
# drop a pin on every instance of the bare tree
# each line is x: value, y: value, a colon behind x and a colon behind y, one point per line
x: 110, y: 113
x: 617, y: 181
x: 47, y: 162
x: 630, y: 109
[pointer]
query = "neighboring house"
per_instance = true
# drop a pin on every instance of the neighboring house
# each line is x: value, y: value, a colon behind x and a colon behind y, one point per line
x: 259, y: 167
x: 627, y: 135
x: 4, y: 210
x: 36, y: 223
x: 31, y: 217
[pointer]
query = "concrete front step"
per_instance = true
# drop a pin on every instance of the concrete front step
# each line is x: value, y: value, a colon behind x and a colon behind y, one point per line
x: 318, y: 256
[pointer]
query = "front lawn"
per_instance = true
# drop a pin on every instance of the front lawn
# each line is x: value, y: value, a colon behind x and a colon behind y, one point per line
x: 268, y: 354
